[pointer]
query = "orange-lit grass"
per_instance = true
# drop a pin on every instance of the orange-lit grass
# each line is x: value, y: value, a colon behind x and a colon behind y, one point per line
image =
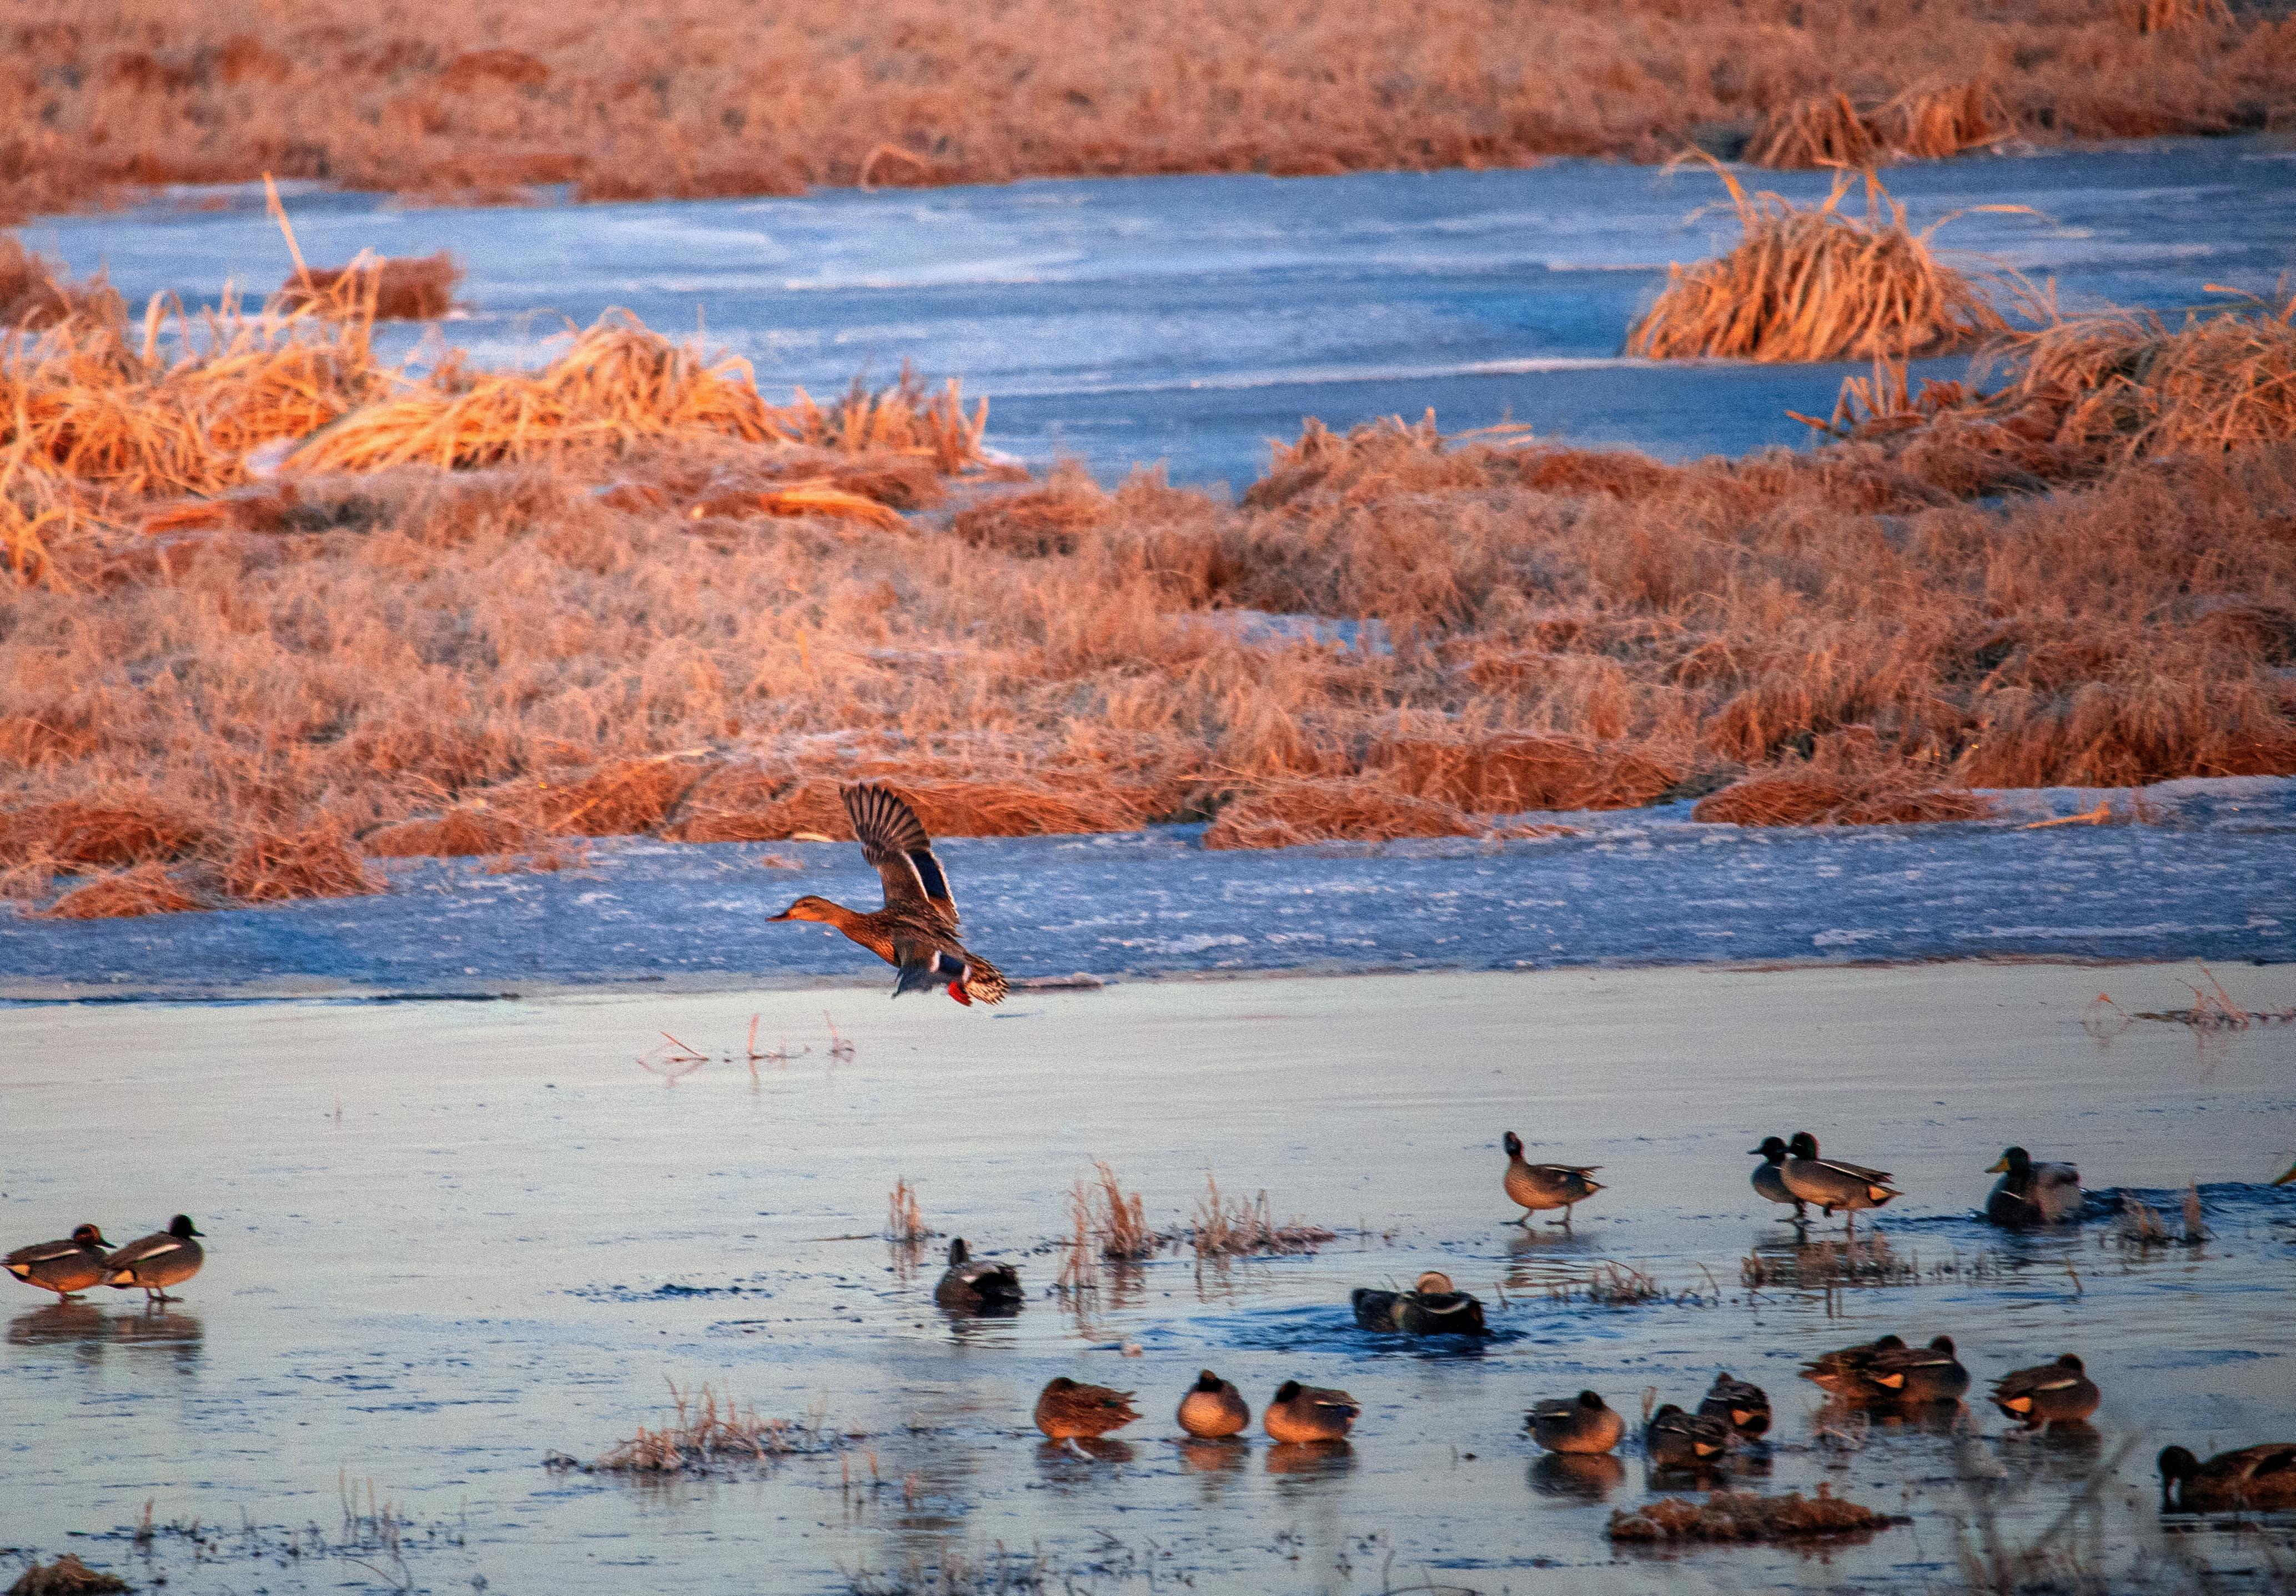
x: 377, y: 288
x: 145, y: 890
x: 1815, y: 283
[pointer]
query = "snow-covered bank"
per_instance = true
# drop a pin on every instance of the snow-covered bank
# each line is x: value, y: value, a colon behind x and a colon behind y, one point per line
x: 2211, y: 876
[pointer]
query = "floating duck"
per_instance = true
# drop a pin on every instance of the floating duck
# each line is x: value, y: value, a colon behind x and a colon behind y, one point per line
x: 165, y: 1258
x: 915, y: 932
x: 1743, y: 1405
x: 974, y: 1284
x: 1914, y: 1376
x: 2051, y: 1393
x: 63, y: 1267
x: 1679, y: 1440
x: 1581, y: 1424
x: 2033, y: 1194
x: 1832, y: 1185
x: 1213, y: 1409
x: 1069, y: 1409
x: 1538, y: 1185
x: 1300, y: 1412
x: 2254, y: 1477
x: 1769, y: 1175
x: 1431, y: 1307
x: 1841, y: 1371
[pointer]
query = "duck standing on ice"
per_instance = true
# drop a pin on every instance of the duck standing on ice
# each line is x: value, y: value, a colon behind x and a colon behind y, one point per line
x: 915, y: 932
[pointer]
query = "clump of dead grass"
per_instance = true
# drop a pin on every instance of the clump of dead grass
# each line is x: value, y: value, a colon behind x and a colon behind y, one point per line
x: 1112, y: 1223
x: 1882, y: 797
x: 376, y: 288
x: 1224, y: 1227
x: 2173, y: 16
x: 458, y: 834
x: 1507, y: 774
x: 1281, y: 813
x: 1825, y: 131
x: 708, y: 1434
x: 145, y: 890
x: 905, y: 1216
x: 37, y: 292
x: 276, y: 867
x: 65, y: 1576
x: 1815, y: 283
x: 1040, y: 522
x: 1747, y: 1516
x: 1927, y: 122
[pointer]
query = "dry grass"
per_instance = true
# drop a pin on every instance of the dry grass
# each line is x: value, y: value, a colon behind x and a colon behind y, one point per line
x: 377, y: 288
x: 548, y: 639
x: 707, y: 1435
x: 65, y: 1576
x: 693, y: 99
x: 1115, y: 1221
x: 1815, y: 283
x: 1926, y: 123
x: 1747, y: 1516
x: 145, y: 890
x: 905, y: 1216
x: 1232, y: 1227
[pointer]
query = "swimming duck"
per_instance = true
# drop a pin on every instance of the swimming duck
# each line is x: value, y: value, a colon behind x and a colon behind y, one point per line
x: 1769, y: 1177
x: 1069, y: 1409
x: 1536, y: 1186
x: 165, y: 1258
x: 1915, y: 1375
x: 2049, y: 1393
x: 2033, y: 1194
x: 1581, y: 1424
x: 1743, y: 1405
x: 1840, y: 1372
x: 1300, y: 1412
x: 1431, y: 1307
x: 1679, y: 1440
x: 1213, y: 1408
x: 915, y: 932
x: 1832, y: 1185
x: 975, y: 1284
x: 2254, y: 1477
x: 63, y: 1267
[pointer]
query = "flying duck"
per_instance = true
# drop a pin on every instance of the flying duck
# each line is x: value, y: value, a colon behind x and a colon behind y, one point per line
x: 1069, y: 1409
x: 165, y: 1258
x: 2254, y: 1477
x: 975, y: 1285
x: 1832, y: 1185
x: 1213, y: 1408
x: 1769, y: 1177
x: 1743, y: 1405
x: 915, y: 932
x: 1536, y: 1186
x: 63, y: 1267
x: 1306, y: 1413
x: 1581, y: 1424
x: 1431, y: 1307
x: 2033, y: 1194
x: 2049, y: 1393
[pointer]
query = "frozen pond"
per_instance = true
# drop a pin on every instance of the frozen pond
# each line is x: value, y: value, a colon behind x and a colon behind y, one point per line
x: 447, y: 1240
x: 1191, y: 319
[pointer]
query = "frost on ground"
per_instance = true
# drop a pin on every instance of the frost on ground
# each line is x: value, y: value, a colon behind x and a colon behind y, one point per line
x: 2208, y: 874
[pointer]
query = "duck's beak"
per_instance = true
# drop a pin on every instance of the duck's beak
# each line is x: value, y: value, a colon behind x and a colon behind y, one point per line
x: 782, y: 915
x: 1999, y: 1166
x: 1757, y: 1152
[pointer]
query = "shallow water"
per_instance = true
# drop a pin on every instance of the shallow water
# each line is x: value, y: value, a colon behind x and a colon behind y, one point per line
x: 446, y: 1240
x: 1191, y: 319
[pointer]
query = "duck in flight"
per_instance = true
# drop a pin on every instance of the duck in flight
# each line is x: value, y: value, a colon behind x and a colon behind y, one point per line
x: 915, y: 932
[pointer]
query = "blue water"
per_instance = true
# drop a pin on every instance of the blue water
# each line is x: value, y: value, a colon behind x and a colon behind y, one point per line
x: 1191, y: 319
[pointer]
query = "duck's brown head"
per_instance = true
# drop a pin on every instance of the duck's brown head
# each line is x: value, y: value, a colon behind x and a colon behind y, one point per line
x: 89, y: 1236
x: 1434, y: 1283
x: 808, y: 908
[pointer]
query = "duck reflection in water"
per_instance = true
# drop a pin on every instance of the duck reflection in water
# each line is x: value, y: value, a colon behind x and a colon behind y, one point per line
x: 1079, y: 1458
x: 1227, y: 1455
x: 178, y: 1333
x: 79, y: 1325
x: 1577, y: 1476
x: 1311, y: 1460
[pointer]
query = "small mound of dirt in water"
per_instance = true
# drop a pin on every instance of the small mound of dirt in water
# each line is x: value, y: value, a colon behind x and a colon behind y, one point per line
x: 65, y: 1576
x: 1747, y: 1516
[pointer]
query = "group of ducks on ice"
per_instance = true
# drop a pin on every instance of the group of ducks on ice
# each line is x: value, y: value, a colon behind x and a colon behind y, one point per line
x: 1884, y: 1374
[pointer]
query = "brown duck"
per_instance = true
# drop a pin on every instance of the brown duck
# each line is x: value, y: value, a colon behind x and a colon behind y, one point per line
x: 2055, y: 1392
x: 1213, y: 1409
x: 2254, y: 1477
x: 63, y: 1267
x: 915, y: 932
x: 1307, y: 1414
x: 1070, y: 1409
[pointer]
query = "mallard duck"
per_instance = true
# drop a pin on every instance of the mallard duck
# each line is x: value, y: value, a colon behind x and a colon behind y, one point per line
x: 1832, y: 1185
x: 1581, y: 1424
x: 1300, y: 1412
x: 915, y: 932
x: 1213, y: 1408
x: 2033, y: 1194
x: 1743, y: 1405
x: 1914, y: 1376
x: 1769, y: 1177
x: 1841, y: 1371
x: 1536, y: 1186
x: 63, y: 1267
x: 1431, y: 1307
x: 1069, y: 1409
x: 165, y: 1258
x: 1675, y: 1439
x: 2050, y: 1394
x: 2254, y: 1477
x: 975, y: 1284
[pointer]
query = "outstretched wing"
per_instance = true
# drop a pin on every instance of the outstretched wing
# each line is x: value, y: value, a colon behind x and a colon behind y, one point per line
x: 894, y: 839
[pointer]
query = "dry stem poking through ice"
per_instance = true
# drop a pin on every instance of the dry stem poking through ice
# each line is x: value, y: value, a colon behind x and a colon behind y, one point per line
x: 708, y: 1434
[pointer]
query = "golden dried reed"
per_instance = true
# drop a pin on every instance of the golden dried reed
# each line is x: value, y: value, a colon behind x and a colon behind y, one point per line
x: 1115, y: 1221
x: 1823, y: 131
x: 1813, y: 282
x: 145, y: 890
x: 2173, y: 16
